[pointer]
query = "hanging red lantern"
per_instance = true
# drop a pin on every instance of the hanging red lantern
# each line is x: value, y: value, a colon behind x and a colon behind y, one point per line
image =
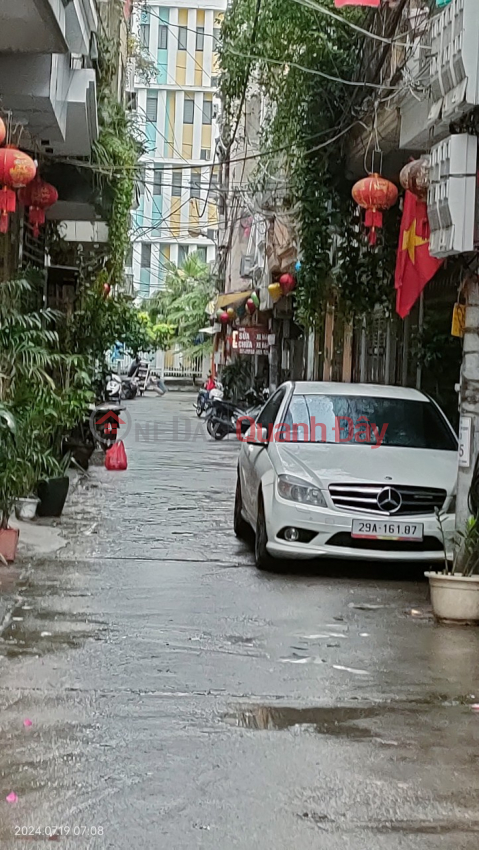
x: 287, y: 282
x: 250, y: 306
x: 38, y: 196
x: 374, y: 194
x: 224, y: 318
x: 17, y: 170
x: 3, y: 131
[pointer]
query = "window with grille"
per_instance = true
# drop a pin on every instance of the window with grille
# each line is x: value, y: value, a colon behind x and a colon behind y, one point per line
x: 200, y: 38
x: 189, y: 110
x: 205, y: 154
x: 145, y: 255
x: 141, y: 181
x: 195, y: 186
x: 152, y: 106
x: 207, y: 111
x: 145, y: 35
x: 182, y: 38
x: 201, y: 251
x: 176, y: 184
x: 157, y: 180
x: 162, y: 37
x: 215, y: 81
x: 182, y: 254
x: 216, y: 37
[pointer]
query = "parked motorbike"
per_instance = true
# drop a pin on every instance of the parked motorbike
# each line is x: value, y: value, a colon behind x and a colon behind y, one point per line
x: 118, y: 388
x: 204, y: 398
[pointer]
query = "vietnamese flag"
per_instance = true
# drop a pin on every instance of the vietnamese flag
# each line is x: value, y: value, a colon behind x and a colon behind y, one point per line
x: 414, y: 267
x: 375, y: 3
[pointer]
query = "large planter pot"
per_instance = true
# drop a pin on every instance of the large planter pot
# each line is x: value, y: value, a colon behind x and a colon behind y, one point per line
x: 26, y: 508
x: 455, y: 598
x: 9, y: 543
x: 52, y: 494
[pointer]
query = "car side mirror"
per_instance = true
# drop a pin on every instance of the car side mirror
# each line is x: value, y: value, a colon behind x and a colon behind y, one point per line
x: 256, y: 436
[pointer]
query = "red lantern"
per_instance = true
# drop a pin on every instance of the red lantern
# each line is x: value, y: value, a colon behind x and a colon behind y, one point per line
x: 17, y: 170
x: 224, y: 318
x: 374, y: 194
x: 287, y: 283
x: 38, y: 196
x: 250, y: 306
x: 3, y: 131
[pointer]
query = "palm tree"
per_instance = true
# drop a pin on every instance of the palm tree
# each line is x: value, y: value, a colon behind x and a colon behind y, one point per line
x: 183, y: 302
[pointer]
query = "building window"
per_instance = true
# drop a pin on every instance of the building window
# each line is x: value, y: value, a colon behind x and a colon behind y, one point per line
x: 200, y: 38
x: 207, y: 111
x: 205, y: 154
x: 216, y: 37
x: 201, y: 251
x: 145, y: 35
x: 189, y: 110
x: 176, y: 184
x: 195, y: 185
x: 211, y: 234
x: 215, y: 81
x: 145, y: 255
x: 157, y: 180
x: 182, y: 255
x: 162, y: 37
x: 182, y: 38
x: 141, y: 181
x: 152, y: 106
x: 129, y: 257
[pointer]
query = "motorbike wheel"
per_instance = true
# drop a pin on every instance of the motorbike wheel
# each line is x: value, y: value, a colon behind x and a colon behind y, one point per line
x: 199, y: 408
x: 210, y: 427
x: 220, y: 431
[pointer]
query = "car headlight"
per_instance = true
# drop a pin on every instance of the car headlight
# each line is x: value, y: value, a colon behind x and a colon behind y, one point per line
x: 297, y: 490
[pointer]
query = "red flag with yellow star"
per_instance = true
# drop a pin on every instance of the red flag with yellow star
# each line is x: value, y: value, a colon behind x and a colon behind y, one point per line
x: 414, y: 267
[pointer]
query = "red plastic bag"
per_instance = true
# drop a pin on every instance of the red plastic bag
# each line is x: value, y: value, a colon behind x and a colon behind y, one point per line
x: 115, y: 457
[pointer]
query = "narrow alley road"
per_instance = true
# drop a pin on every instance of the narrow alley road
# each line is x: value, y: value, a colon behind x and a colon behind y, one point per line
x: 180, y: 699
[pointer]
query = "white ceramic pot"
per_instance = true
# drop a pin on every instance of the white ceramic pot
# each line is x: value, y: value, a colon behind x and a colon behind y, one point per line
x: 26, y: 508
x: 455, y: 598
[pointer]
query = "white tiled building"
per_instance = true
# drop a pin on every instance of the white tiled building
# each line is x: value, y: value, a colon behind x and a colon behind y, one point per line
x: 177, y: 210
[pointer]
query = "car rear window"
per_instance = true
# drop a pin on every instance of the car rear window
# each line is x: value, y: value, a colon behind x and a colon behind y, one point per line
x: 366, y: 420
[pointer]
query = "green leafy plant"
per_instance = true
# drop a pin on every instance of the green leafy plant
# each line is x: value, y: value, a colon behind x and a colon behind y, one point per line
x: 182, y: 304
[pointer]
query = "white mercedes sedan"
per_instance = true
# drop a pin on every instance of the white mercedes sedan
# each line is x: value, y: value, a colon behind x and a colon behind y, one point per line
x: 353, y: 471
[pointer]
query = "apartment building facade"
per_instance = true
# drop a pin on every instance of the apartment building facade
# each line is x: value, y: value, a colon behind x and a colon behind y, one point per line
x: 177, y: 107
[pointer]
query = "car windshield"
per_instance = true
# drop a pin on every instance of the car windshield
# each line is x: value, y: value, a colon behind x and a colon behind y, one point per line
x: 367, y: 420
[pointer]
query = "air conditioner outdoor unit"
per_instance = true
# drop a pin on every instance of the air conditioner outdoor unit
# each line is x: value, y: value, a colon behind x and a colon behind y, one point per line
x: 246, y: 265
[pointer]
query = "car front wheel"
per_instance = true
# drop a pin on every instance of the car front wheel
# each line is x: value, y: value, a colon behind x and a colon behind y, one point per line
x: 263, y: 559
x: 241, y: 527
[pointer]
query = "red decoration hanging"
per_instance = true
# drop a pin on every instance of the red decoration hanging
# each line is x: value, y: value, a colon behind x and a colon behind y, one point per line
x: 224, y: 318
x: 3, y: 131
x: 374, y: 194
x: 38, y: 196
x: 287, y: 283
x: 250, y: 306
x: 17, y: 170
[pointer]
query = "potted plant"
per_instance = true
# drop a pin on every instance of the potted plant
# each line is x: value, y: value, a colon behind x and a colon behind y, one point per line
x: 52, y: 488
x: 455, y: 590
x: 13, y: 480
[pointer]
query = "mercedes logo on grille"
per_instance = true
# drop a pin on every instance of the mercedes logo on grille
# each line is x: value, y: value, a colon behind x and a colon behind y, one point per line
x: 389, y: 500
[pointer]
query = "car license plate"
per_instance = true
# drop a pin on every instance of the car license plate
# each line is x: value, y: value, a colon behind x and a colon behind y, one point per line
x: 387, y: 530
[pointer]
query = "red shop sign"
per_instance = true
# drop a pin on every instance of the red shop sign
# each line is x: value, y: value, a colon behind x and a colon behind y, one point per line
x: 251, y: 341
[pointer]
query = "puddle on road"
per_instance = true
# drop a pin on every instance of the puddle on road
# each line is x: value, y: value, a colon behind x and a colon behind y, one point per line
x: 322, y: 720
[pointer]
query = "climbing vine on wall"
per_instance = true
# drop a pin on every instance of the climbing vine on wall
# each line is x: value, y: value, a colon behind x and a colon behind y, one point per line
x: 308, y: 114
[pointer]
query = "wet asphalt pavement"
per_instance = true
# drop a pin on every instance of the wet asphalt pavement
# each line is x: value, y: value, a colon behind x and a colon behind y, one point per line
x: 180, y: 699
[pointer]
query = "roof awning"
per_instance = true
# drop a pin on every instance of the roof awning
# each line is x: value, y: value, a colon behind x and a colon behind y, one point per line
x: 211, y: 329
x: 230, y: 298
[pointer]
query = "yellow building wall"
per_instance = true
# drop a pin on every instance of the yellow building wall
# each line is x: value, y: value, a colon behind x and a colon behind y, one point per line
x: 212, y: 213
x: 181, y: 67
x: 187, y: 147
x: 175, y: 217
x: 194, y: 219
x: 206, y: 136
x: 170, y: 124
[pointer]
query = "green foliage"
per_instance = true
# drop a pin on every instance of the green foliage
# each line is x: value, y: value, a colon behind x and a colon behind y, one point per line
x: 28, y: 341
x: 304, y: 133
x: 182, y: 304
